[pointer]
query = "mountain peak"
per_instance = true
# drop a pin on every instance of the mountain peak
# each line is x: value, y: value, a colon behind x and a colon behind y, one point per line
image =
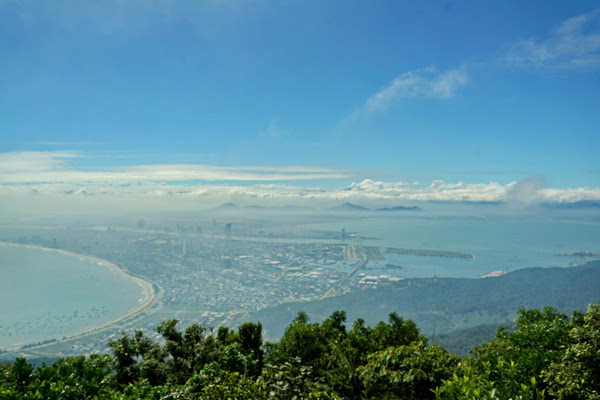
x: 349, y: 207
x: 227, y: 206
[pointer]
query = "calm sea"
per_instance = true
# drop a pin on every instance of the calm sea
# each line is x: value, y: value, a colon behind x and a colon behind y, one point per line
x: 46, y: 294
x: 498, y: 244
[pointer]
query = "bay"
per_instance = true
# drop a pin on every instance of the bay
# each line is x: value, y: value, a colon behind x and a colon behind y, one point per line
x: 47, y: 294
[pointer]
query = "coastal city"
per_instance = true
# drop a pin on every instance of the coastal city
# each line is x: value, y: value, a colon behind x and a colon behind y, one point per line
x: 221, y: 269
x: 213, y: 273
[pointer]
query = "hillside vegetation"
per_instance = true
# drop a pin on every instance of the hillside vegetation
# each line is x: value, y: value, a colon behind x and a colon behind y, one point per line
x: 441, y: 306
x: 547, y: 356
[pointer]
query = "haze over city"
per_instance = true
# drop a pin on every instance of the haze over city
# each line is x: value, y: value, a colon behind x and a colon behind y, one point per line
x: 301, y: 199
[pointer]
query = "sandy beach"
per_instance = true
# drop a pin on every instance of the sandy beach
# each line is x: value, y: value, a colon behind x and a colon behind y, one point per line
x: 148, y: 293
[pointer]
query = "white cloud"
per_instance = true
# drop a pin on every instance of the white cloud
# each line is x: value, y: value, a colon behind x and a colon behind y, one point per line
x: 575, y: 43
x: 49, y: 177
x: 52, y: 167
x: 424, y: 82
x: 367, y: 192
x: 525, y: 192
x: 14, y: 163
x: 436, y: 190
x: 570, y: 195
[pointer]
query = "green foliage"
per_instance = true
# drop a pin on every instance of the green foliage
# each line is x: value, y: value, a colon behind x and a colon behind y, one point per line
x: 4, y: 372
x: 20, y: 374
x: 70, y: 378
x: 547, y: 356
x: 463, y: 341
x: 539, y: 340
x: 250, y: 341
x: 333, y: 353
x: 407, y: 372
x: 470, y: 383
x: 396, y: 333
x: 305, y: 341
x: 576, y: 376
x: 232, y: 386
x: 127, y: 352
x: 185, y: 349
x: 290, y: 380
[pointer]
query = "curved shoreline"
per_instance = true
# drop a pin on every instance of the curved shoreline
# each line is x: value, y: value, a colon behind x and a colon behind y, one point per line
x: 148, y: 294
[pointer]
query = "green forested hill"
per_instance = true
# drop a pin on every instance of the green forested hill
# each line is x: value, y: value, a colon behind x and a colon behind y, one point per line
x: 463, y: 341
x: 445, y: 305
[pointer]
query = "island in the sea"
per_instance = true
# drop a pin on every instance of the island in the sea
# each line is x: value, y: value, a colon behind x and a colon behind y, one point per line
x: 582, y: 253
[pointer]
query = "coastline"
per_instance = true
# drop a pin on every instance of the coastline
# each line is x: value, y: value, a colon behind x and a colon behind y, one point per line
x: 148, y: 293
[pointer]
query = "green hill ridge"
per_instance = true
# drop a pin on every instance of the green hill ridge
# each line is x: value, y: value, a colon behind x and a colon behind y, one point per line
x: 445, y: 305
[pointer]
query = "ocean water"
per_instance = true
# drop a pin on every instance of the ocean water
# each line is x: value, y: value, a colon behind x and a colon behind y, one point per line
x: 47, y: 294
x: 497, y: 244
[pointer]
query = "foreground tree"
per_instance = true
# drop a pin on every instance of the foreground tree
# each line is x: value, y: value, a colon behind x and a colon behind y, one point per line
x: 547, y: 356
x: 576, y: 376
x: 513, y: 359
x: 528, y: 363
x: 407, y: 372
x: 128, y: 352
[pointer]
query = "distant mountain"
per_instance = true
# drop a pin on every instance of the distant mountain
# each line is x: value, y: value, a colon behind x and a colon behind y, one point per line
x: 227, y: 206
x: 349, y: 207
x: 578, y: 205
x: 400, y: 208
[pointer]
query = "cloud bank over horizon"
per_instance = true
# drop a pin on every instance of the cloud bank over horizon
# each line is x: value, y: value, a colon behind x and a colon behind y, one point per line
x: 46, y: 177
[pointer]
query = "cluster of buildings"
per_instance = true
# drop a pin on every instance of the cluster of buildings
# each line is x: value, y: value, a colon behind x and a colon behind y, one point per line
x: 207, y: 275
x: 374, y: 281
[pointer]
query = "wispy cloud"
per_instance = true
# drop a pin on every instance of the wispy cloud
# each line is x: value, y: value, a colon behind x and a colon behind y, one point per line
x: 15, y: 163
x: 273, y: 130
x: 80, y: 143
x: 53, y: 167
x: 420, y: 83
x: 575, y: 43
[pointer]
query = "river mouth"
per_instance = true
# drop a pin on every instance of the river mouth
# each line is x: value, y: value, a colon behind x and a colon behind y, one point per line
x: 48, y: 294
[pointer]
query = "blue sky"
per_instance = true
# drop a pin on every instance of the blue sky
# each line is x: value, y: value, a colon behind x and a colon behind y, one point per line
x: 381, y: 91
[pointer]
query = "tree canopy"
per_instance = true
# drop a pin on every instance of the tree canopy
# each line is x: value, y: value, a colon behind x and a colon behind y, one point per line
x: 548, y: 355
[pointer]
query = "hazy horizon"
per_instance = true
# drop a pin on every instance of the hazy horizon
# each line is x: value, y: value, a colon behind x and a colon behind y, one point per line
x: 171, y: 105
